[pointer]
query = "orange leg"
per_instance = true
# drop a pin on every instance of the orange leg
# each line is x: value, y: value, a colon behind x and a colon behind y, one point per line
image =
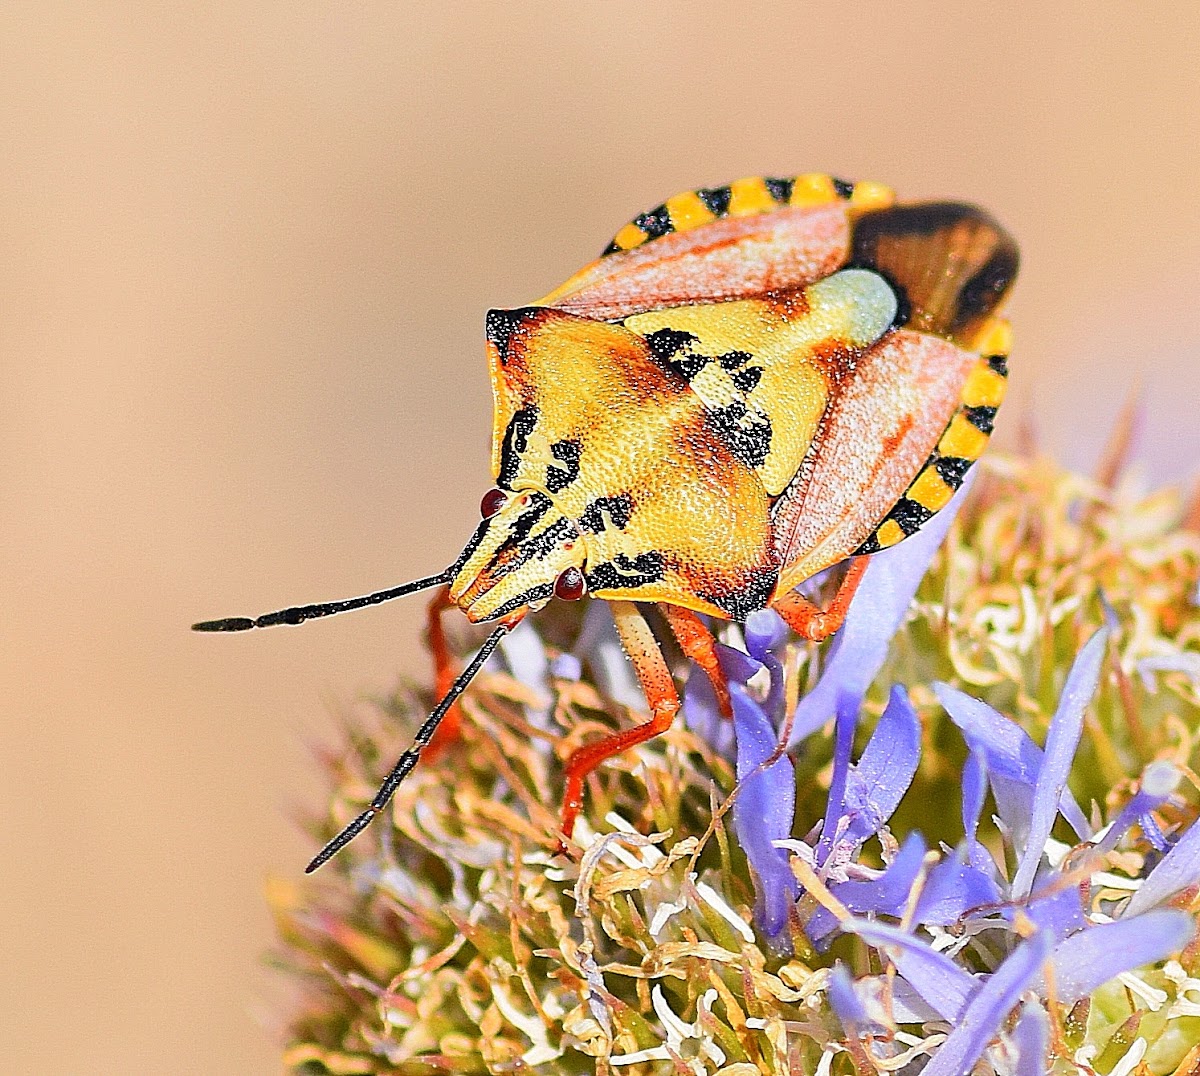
x: 698, y: 644
x: 445, y: 669
x: 655, y: 678
x: 809, y: 622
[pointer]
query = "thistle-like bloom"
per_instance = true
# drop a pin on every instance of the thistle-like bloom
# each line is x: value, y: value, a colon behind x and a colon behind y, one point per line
x: 977, y: 853
x: 1058, y: 949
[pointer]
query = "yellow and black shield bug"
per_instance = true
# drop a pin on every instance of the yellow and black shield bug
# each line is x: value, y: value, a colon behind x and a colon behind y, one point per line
x: 752, y: 384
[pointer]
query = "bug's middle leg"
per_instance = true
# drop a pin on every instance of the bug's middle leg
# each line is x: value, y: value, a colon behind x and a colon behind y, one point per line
x: 655, y: 678
x: 810, y: 622
x: 697, y: 642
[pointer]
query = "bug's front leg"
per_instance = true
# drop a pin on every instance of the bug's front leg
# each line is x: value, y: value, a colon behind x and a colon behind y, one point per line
x: 655, y: 678
x: 445, y: 669
x: 810, y: 622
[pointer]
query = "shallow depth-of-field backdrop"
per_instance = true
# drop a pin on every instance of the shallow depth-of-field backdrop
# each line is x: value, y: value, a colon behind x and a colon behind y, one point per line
x: 245, y: 254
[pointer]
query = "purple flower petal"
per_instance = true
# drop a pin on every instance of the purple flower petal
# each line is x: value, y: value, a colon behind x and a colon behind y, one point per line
x: 567, y: 667
x: 1010, y: 758
x: 764, y: 810
x: 988, y: 1007
x: 878, y: 781
x: 953, y: 889
x: 763, y: 631
x: 736, y: 665
x: 1153, y: 834
x: 1159, y: 780
x: 1178, y: 870
x: 974, y: 788
x: 908, y: 1007
x: 885, y: 895
x: 843, y: 745
x: 1031, y: 1037
x: 703, y: 716
x: 934, y: 976
x: 1059, y: 912
x: 1061, y: 741
x: 845, y: 1002
x: 1087, y: 960
x: 879, y: 607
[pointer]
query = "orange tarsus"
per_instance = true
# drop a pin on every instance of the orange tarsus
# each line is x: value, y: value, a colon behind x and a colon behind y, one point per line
x: 655, y: 678
x: 445, y: 670
x: 698, y: 644
x: 810, y: 622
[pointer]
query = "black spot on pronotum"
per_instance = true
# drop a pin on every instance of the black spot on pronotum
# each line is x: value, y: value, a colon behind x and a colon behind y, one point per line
x: 843, y: 187
x: 567, y: 453
x: 604, y: 510
x: 716, y: 199
x: 516, y: 435
x: 998, y: 364
x: 500, y: 325
x: 624, y: 572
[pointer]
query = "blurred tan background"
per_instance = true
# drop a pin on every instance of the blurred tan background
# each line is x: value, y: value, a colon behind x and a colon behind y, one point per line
x: 245, y: 253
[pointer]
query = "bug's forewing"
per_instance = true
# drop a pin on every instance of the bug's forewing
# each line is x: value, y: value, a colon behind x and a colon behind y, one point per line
x: 914, y: 412
x: 755, y: 235
x: 727, y: 259
x: 878, y: 431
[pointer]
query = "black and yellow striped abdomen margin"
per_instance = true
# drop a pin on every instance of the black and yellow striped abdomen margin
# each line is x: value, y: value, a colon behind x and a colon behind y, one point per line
x: 747, y: 197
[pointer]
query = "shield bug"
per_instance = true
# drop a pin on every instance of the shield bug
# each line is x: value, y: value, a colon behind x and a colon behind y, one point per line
x: 752, y: 384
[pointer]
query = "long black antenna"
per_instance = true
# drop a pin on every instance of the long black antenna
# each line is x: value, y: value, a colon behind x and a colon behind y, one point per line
x: 406, y: 762
x: 297, y: 614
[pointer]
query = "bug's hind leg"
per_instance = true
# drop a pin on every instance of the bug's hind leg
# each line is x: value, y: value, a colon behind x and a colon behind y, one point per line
x: 445, y: 669
x: 697, y: 642
x: 810, y: 622
x: 655, y: 678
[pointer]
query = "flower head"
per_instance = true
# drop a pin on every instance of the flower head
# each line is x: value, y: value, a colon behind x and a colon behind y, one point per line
x: 977, y: 852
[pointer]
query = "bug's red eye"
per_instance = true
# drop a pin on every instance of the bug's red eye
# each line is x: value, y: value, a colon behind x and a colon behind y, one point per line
x: 570, y: 586
x: 492, y: 502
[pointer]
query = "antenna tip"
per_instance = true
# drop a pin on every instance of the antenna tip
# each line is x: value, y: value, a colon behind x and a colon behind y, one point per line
x: 229, y: 623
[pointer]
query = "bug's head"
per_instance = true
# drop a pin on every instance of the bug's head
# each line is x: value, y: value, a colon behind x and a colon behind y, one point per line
x: 524, y: 553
